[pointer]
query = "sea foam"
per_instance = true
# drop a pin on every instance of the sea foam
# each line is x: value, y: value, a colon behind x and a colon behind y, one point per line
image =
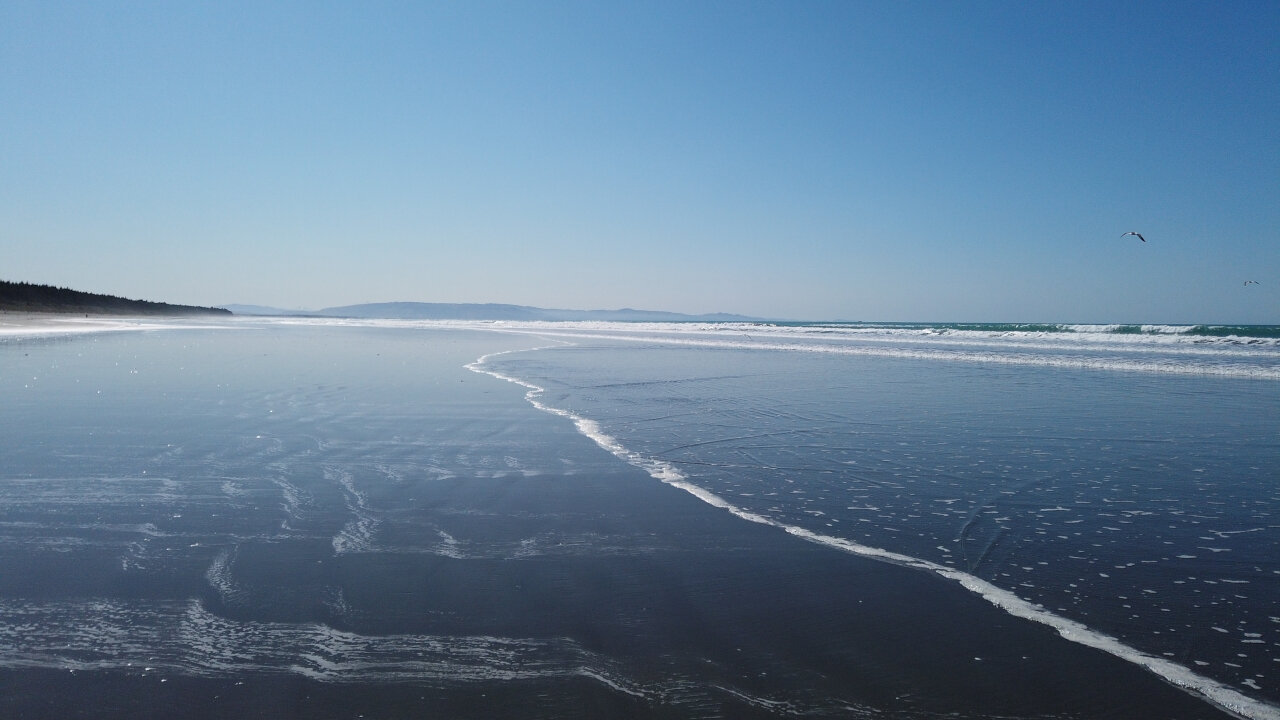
x: 1178, y: 675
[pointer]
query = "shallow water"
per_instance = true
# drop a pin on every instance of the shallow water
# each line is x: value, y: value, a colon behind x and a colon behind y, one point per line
x: 1139, y: 503
x: 250, y: 516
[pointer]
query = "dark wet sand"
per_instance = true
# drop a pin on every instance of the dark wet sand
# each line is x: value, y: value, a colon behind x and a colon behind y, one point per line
x: 669, y: 588
x: 706, y: 595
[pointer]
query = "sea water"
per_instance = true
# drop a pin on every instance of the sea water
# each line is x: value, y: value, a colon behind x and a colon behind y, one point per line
x: 1121, y: 483
x: 260, y: 498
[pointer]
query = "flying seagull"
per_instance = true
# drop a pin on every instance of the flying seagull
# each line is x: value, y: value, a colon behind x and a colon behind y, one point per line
x: 1250, y: 282
x: 1139, y: 235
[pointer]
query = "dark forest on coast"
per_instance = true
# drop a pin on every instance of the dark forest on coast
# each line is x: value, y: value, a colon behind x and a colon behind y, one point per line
x: 28, y: 297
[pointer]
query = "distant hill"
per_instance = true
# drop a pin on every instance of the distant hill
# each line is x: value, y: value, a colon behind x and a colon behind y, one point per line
x: 265, y: 310
x: 26, y: 297
x: 490, y: 311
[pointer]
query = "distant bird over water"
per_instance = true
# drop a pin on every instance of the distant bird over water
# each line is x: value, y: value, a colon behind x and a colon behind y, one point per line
x: 1247, y: 283
x: 1138, y: 235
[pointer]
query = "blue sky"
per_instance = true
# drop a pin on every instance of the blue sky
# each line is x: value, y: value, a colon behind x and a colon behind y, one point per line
x: 813, y: 160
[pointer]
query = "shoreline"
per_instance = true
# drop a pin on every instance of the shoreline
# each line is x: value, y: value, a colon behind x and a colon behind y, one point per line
x: 23, y: 323
x: 1213, y: 692
x: 489, y: 553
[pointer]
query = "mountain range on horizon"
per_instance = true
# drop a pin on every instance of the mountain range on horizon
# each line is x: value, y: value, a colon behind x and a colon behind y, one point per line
x: 486, y: 311
x: 29, y: 297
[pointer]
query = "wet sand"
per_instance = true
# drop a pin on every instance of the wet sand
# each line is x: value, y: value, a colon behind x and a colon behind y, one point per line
x: 645, y: 601
x: 752, y: 622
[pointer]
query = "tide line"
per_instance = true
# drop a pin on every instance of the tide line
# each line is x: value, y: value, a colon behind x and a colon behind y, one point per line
x: 1178, y: 675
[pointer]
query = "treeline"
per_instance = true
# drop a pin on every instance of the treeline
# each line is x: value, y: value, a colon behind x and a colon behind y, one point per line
x: 27, y: 297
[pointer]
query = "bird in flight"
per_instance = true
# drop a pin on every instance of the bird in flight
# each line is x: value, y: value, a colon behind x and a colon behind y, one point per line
x: 1138, y: 235
x: 1250, y: 282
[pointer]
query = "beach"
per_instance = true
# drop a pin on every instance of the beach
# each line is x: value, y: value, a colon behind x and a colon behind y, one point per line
x: 325, y: 520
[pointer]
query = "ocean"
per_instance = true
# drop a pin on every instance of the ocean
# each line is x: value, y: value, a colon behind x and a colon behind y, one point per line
x: 335, y: 518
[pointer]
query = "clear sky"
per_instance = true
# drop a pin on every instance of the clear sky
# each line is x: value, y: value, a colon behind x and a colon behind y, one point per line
x: 968, y: 161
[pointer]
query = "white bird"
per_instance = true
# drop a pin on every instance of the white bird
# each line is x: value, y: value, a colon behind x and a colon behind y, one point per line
x: 1139, y: 235
x: 1250, y: 282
